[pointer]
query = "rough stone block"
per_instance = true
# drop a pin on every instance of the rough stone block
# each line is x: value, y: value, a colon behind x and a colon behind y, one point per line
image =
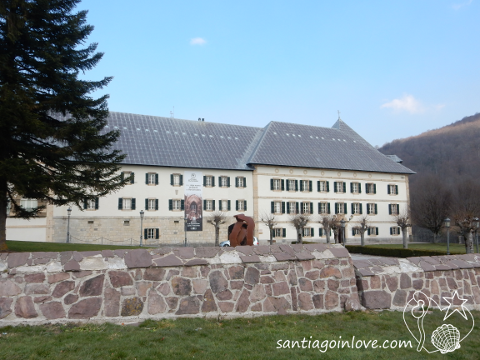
x: 154, y: 274
x: 138, y: 258
x: 53, y: 310
x: 252, y: 276
x: 9, y: 288
x: 5, y: 307
x: 304, y: 284
x: 305, y: 301
x: 31, y: 289
x: 132, y: 307
x: 93, y: 286
x: 58, y: 277
x: 330, y: 271
x: 25, y: 308
x: 189, y: 305
x: 376, y: 300
x: 331, y: 300
x: 181, y: 286
x: 70, y: 299
x: 218, y: 282
x: 281, y: 288
x: 63, y: 288
x: 156, y: 303
x: 35, y: 278
x: 405, y: 281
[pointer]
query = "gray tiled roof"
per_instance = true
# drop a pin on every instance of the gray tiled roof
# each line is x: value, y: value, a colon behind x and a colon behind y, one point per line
x: 159, y: 141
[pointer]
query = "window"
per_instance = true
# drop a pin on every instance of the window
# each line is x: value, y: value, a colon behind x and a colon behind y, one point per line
x: 240, y: 182
x: 29, y: 204
x: 151, y: 233
x: 395, y: 230
x: 355, y: 188
x: 224, y: 205
x: 126, y: 204
x: 356, y: 231
x: 322, y: 232
x: 90, y: 204
x: 372, y: 209
x: 151, y: 179
x: 176, y: 179
x: 126, y: 222
x: 372, y: 230
x: 322, y: 186
x: 307, y: 207
x: 278, y: 207
x: 370, y: 188
x: 209, y: 205
x: 323, y: 208
x: 292, y: 185
x: 176, y: 205
x: 277, y: 184
x: 340, y: 186
x: 392, y: 189
x: 241, y: 205
x: 292, y: 207
x: 305, y: 185
x: 279, y: 232
x: 151, y: 204
x: 308, y: 232
x: 340, y: 208
x: 128, y: 175
x: 393, y: 209
x: 356, y: 209
x: 224, y: 181
x: 209, y: 181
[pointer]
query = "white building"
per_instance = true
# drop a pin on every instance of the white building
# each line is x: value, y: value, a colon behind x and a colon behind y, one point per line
x: 280, y: 169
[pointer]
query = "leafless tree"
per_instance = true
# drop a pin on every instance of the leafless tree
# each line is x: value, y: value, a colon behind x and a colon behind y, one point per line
x: 329, y: 222
x: 403, y: 221
x: 430, y: 203
x: 270, y: 221
x: 362, y: 226
x: 299, y: 221
x: 216, y: 219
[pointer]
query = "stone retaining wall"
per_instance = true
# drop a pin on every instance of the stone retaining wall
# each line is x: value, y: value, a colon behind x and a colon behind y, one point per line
x: 389, y: 283
x: 126, y: 285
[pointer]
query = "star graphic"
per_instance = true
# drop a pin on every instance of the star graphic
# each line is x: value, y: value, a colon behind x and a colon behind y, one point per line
x: 451, y: 301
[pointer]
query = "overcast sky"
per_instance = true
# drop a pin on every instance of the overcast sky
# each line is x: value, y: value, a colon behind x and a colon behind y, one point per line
x: 393, y: 68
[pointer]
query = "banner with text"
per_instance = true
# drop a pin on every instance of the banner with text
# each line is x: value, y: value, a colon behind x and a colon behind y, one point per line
x: 193, y: 200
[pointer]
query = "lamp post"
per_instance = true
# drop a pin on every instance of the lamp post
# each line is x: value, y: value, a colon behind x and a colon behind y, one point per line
x: 447, y: 225
x: 69, y: 212
x: 185, y: 229
x: 342, y: 222
x: 476, y: 223
x: 142, y: 214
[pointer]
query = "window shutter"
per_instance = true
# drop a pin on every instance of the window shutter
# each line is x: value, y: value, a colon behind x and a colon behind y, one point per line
x: 310, y: 185
x: 336, y: 208
x: 318, y: 186
x: 296, y: 208
x: 271, y: 184
x: 283, y: 207
x: 388, y: 189
x: 236, y: 182
x: 335, y: 186
x: 204, y: 203
x: 390, y: 209
x: 228, y: 205
x: 328, y: 208
x: 288, y: 185
x: 146, y: 178
x: 288, y: 208
x: 156, y: 179
x: 376, y: 209
x: 368, y: 231
x: 319, y: 208
x: 133, y: 203
x: 123, y: 175
x: 85, y: 203
x: 353, y: 208
x: 96, y: 203
x: 353, y: 232
x: 302, y: 187
x: 376, y: 231
x: 220, y: 205
x: 273, y: 207
x: 283, y: 185
x: 171, y: 179
x: 204, y: 181
x: 132, y: 178
x: 320, y: 232
x: 170, y: 204
x: 182, y: 204
x: 345, y: 208
x: 391, y: 231
x: 398, y: 229
x: 213, y: 204
x: 361, y: 210
x: 181, y: 180
x: 120, y: 204
x: 344, y: 187
x: 245, y: 205
x: 312, y: 232
x: 157, y: 233
x: 213, y: 181
x: 145, y: 233
x: 296, y: 185
x: 374, y: 188
x: 351, y: 187
x: 156, y: 204
x: 284, y: 232
x: 228, y: 181
x: 301, y: 207
x: 244, y: 182
x: 311, y: 208
x: 146, y: 204
x: 359, y: 188
x: 236, y: 205
x: 396, y: 189
x: 328, y: 186
x: 398, y: 209
x: 219, y: 181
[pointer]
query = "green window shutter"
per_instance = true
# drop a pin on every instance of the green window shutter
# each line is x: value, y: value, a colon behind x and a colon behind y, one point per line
x: 376, y: 231
x: 353, y: 212
x: 273, y: 207
x: 310, y: 185
x: 220, y: 205
x: 145, y: 233
x: 328, y: 208
x: 283, y: 185
x: 335, y: 186
x: 296, y: 185
x: 146, y: 204
x: 146, y: 178
x: 204, y: 181
x: 120, y: 204
x: 213, y: 181
x: 318, y: 186
x: 133, y: 203
x: 219, y: 181
x: 288, y: 208
x: 376, y: 209
x: 391, y: 231
x: 390, y: 209
x: 398, y: 229
x: 229, y: 205
x: 284, y: 232
x: 288, y: 185
x: 312, y: 232
x: 156, y: 204
x: 319, y: 208
x: 157, y: 233
x: 359, y: 188
x: 132, y: 178
x: 96, y: 203
x: 361, y: 210
x: 85, y: 203
x: 374, y: 188
x: 396, y: 189
x: 344, y: 187
x: 271, y: 184
x: 204, y: 204
x: 228, y: 181
x: 283, y: 207
x: 236, y: 182
x: 320, y: 232
x: 336, y: 208
x: 296, y: 208
x: 302, y: 188
x: 398, y: 208
x: 156, y: 179
x: 345, y: 208
x: 245, y: 205
x: 123, y: 175
x: 351, y: 187
x: 182, y: 204
x: 388, y: 189
x: 245, y: 182
x: 368, y: 231
x: 171, y: 179
x: 170, y: 204
x: 301, y: 207
x: 236, y: 205
x: 311, y: 208
x: 213, y: 204
x: 353, y: 232
x: 328, y: 186
x: 181, y: 180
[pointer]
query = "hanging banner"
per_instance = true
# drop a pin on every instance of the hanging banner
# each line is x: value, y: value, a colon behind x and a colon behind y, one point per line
x: 193, y: 200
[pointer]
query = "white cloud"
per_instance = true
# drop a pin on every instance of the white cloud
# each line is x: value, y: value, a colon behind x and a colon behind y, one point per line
x: 406, y: 103
x: 198, y: 41
x: 457, y: 6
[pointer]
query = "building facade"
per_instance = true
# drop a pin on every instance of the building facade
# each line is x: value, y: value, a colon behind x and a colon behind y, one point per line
x: 182, y: 172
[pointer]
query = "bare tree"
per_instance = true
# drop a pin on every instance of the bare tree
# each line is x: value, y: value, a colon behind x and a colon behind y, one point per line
x: 362, y: 226
x: 403, y: 221
x: 430, y: 202
x: 216, y: 219
x: 329, y: 222
x: 270, y: 221
x: 465, y: 224
x: 299, y: 221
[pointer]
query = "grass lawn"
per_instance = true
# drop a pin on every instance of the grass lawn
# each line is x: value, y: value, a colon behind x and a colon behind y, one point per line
x: 254, y: 338
x: 454, y: 248
x: 30, y: 246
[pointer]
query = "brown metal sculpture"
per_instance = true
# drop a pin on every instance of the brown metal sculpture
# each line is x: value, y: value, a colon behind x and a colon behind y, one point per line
x: 241, y: 233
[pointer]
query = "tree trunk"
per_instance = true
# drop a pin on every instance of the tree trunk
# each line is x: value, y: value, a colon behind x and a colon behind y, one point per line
x: 217, y: 235
x: 405, y: 241
x: 3, y: 216
x: 362, y: 238
x: 434, y: 238
x: 271, y: 236
x: 469, y: 243
x: 299, y: 237
x: 327, y: 234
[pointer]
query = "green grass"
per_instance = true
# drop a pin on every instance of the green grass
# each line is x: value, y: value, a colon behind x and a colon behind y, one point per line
x: 454, y: 248
x: 397, y: 250
x: 254, y: 338
x: 30, y: 246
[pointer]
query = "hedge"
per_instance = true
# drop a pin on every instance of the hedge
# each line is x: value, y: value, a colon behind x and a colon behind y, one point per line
x: 400, y: 253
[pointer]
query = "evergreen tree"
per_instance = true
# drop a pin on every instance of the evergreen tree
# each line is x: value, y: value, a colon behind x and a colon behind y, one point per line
x: 53, y: 145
